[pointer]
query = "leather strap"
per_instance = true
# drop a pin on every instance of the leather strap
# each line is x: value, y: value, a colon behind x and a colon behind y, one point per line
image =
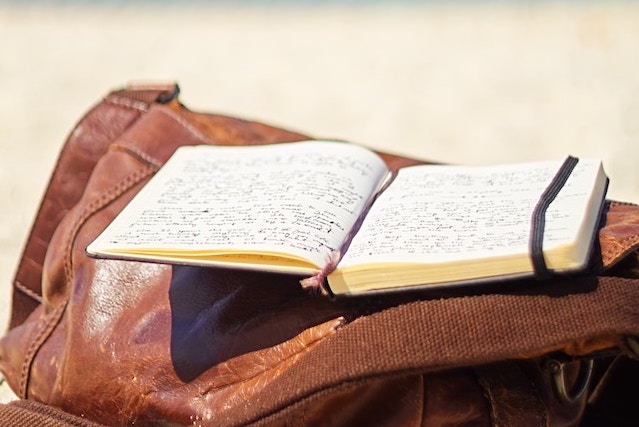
x: 84, y: 146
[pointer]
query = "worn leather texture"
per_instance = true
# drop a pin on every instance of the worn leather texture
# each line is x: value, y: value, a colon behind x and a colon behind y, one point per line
x: 126, y: 343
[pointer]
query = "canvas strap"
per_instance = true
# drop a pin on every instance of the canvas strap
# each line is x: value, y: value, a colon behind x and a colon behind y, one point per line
x: 573, y: 316
x: 28, y: 413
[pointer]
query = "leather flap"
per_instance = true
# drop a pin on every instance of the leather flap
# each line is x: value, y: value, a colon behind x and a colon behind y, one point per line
x: 619, y: 236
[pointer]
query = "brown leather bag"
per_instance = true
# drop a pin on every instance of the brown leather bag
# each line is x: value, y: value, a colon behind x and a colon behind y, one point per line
x: 125, y: 343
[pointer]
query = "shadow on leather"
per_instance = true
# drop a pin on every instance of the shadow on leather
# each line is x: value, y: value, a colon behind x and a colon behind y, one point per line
x: 218, y: 314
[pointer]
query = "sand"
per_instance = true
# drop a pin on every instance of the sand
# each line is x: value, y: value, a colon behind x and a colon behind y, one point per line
x: 463, y: 84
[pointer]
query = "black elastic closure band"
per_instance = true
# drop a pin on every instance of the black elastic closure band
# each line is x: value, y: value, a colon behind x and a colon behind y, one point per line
x: 536, y: 242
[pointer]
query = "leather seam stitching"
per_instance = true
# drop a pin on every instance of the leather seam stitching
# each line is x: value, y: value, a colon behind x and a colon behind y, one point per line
x: 627, y: 246
x: 49, y: 322
x: 139, y: 154
x: 28, y: 292
x: 113, y: 99
x: 43, y: 332
x: 95, y: 205
x: 127, y: 103
x: 185, y: 124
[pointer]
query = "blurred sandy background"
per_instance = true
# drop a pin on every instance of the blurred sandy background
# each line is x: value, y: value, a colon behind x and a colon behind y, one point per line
x: 464, y: 83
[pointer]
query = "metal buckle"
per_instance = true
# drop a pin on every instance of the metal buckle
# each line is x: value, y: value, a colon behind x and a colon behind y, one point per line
x: 558, y: 377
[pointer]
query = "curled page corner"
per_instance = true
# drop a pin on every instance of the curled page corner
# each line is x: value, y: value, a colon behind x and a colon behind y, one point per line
x: 317, y: 282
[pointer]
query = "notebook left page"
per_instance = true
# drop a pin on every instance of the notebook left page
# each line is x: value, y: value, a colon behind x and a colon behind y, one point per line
x: 282, y: 207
